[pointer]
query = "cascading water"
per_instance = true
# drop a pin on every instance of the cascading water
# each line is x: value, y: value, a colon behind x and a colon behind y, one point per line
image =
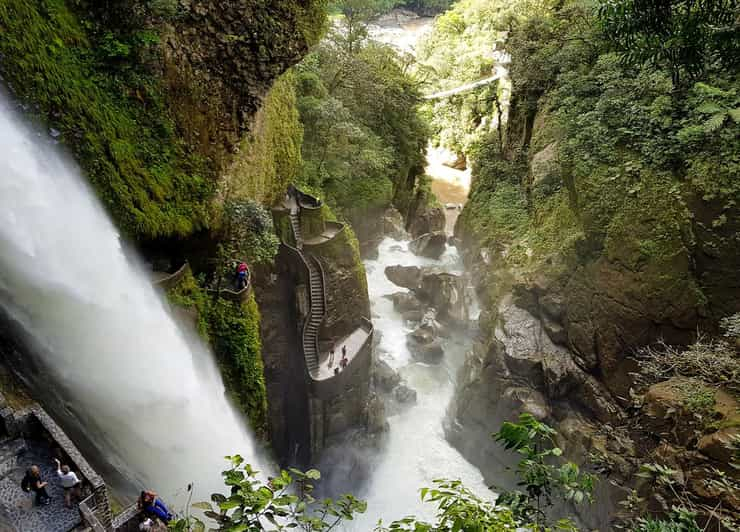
x: 150, y: 397
x: 416, y: 452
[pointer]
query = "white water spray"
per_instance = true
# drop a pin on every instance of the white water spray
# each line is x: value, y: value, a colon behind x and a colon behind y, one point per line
x: 154, y: 398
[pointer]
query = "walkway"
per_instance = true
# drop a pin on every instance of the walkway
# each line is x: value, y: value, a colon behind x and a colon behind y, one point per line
x: 329, y: 232
x: 354, y: 343
x: 463, y: 88
x: 16, y: 510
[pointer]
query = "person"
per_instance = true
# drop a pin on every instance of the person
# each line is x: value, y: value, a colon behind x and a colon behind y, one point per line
x: 344, y: 360
x: 150, y: 504
x: 242, y: 272
x: 331, y: 357
x: 69, y: 481
x: 32, y: 482
x: 336, y: 371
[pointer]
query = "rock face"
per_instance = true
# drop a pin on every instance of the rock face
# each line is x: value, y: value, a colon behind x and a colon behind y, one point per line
x: 393, y: 224
x: 429, y: 352
x: 430, y: 245
x: 405, y: 302
x: 446, y: 293
x: 386, y: 378
x: 430, y: 220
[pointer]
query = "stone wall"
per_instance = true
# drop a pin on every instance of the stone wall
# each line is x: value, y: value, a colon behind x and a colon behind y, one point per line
x: 34, y: 423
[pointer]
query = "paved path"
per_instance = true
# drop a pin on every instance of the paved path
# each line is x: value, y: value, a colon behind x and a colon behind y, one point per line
x: 354, y: 343
x: 16, y: 506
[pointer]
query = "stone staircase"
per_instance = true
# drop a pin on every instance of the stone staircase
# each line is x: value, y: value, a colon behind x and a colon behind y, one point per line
x: 295, y: 221
x: 316, y: 316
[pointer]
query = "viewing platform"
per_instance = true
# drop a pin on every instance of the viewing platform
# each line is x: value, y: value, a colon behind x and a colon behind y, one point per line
x: 307, y: 235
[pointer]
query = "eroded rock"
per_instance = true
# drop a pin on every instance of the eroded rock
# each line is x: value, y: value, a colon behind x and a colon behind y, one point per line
x: 404, y: 395
x: 430, y: 353
x: 430, y: 245
x: 405, y: 301
x: 386, y: 378
x: 404, y: 276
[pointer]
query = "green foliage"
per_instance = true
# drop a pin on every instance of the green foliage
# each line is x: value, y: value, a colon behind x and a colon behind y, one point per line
x: 682, y: 35
x: 91, y: 85
x: 541, y: 480
x: 269, y: 157
x: 235, y: 336
x: 286, y: 502
x: 363, y: 139
x: 680, y: 520
x: 232, y: 329
x: 250, y: 232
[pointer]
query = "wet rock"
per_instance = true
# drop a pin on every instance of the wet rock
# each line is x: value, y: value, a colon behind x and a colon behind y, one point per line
x: 555, y: 331
x: 412, y: 315
x: 446, y: 293
x: 430, y: 353
x: 430, y: 245
x: 405, y: 301
x: 404, y: 395
x: 422, y: 336
x: 386, y: 378
x: 404, y: 276
x: 376, y: 419
x: 393, y: 224
x: 431, y: 220
x: 545, y: 170
x: 526, y: 400
x: 430, y: 323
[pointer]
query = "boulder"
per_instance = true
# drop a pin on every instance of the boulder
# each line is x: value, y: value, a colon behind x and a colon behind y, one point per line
x: 393, y: 224
x: 430, y: 245
x: 431, y: 220
x: 719, y: 445
x: 403, y: 394
x: 386, y: 378
x: 430, y: 353
x: 422, y: 335
x: 405, y: 301
x: 446, y: 293
x: 404, y: 276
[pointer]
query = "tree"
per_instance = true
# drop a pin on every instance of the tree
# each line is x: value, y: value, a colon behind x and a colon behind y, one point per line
x: 681, y: 35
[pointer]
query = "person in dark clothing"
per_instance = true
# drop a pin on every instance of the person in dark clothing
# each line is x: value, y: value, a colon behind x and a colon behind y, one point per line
x: 32, y: 482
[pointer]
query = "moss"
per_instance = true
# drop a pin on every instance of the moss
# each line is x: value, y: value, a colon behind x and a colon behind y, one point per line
x: 235, y: 332
x: 270, y: 155
x: 110, y: 112
x: 189, y: 295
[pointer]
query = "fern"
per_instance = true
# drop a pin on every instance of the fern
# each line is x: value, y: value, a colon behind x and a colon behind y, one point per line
x: 714, y: 122
x: 735, y: 114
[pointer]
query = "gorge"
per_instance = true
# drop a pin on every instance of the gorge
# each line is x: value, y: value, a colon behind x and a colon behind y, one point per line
x: 519, y: 218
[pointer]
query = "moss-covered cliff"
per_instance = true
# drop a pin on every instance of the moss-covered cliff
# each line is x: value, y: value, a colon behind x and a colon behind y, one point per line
x: 606, y: 220
x: 152, y: 96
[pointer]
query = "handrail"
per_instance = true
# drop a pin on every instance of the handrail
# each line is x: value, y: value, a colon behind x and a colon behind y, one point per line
x: 323, y: 297
x: 169, y: 281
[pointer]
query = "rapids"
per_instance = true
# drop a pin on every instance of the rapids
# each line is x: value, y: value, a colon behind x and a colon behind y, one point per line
x: 147, y: 390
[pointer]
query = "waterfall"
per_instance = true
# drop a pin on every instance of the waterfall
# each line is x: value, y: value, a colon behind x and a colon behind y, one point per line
x: 149, y: 394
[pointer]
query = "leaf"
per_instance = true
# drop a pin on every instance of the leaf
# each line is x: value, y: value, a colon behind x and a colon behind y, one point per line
x: 735, y: 114
x: 714, y: 122
x: 313, y: 474
x: 203, y: 506
x: 709, y: 108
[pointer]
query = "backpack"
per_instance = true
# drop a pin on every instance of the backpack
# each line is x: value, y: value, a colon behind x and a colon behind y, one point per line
x: 26, y: 483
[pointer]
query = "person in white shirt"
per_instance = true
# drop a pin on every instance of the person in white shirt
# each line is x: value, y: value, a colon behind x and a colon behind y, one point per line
x: 69, y: 482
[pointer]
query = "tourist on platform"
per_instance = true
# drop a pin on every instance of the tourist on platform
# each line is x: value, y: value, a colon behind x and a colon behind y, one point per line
x: 331, y: 357
x: 344, y: 360
x: 32, y: 482
x: 242, y: 274
x: 150, y: 504
x: 69, y: 482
